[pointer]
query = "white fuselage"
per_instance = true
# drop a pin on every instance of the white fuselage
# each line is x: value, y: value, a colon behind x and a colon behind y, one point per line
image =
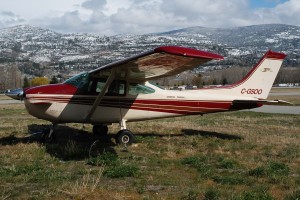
x: 112, y: 109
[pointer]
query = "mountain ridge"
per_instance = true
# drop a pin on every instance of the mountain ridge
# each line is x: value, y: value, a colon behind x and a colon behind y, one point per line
x: 239, y: 45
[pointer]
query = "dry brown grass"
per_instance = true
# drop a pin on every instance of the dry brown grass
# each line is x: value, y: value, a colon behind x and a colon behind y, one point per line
x: 4, y: 97
x: 222, y: 149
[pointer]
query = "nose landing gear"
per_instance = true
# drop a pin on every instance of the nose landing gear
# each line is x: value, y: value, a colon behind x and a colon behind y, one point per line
x: 49, y: 136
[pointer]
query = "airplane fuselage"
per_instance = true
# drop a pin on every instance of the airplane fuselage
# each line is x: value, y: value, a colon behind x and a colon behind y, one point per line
x: 66, y: 106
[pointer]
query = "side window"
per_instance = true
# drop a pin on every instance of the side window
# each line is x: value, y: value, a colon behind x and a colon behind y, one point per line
x: 100, y: 86
x: 135, y: 89
x: 96, y: 86
x: 117, y: 87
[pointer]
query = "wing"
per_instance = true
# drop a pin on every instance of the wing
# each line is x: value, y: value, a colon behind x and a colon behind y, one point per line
x: 160, y: 62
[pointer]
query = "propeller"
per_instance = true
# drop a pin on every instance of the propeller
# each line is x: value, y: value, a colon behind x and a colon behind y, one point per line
x: 15, y: 94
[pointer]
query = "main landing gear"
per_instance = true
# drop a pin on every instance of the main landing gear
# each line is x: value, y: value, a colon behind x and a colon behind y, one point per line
x: 100, y: 129
x: 123, y: 137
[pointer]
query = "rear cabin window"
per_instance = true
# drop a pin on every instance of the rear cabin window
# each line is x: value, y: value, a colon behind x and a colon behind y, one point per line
x: 135, y: 89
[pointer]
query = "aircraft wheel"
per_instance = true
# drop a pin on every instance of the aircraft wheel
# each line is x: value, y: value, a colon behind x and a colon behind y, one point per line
x: 125, y: 137
x: 49, y: 137
x: 100, y: 129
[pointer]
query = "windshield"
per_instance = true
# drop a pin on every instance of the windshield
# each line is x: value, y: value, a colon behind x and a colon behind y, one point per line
x: 80, y: 81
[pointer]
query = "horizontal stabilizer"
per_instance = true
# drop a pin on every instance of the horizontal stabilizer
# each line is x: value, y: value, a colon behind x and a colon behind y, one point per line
x: 248, y: 104
x: 275, y: 102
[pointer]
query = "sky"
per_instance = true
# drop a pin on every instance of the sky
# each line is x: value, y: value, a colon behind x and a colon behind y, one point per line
x: 111, y: 17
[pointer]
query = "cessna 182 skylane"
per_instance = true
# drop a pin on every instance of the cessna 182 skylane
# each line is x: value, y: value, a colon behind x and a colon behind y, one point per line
x: 120, y: 92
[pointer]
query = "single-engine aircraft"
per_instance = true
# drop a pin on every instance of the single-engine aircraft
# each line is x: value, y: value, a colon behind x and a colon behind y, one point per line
x: 120, y: 92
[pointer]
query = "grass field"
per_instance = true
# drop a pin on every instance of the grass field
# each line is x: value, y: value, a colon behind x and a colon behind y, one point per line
x: 238, y: 155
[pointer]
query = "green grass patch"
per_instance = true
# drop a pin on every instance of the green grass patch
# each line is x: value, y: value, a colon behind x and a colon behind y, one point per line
x: 255, y: 195
x: 271, y: 169
x: 212, y: 194
x: 114, y: 166
x: 231, y: 179
x: 34, y: 173
x: 225, y: 163
x: 106, y: 159
x: 121, y: 171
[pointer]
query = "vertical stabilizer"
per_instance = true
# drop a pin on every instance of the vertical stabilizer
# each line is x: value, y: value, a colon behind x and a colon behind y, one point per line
x: 258, y: 82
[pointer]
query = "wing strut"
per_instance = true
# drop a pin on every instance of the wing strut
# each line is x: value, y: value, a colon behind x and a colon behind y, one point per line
x: 101, y: 95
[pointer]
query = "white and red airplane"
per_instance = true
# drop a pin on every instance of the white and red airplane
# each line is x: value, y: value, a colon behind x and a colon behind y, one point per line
x: 120, y: 92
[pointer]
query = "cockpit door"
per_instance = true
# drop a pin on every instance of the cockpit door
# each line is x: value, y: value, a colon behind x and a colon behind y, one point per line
x: 110, y: 104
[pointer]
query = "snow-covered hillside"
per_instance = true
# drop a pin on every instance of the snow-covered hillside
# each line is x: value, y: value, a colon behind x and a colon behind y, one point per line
x: 239, y: 45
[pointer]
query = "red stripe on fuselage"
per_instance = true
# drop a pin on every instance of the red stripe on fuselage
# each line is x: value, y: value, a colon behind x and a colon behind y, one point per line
x: 157, y: 105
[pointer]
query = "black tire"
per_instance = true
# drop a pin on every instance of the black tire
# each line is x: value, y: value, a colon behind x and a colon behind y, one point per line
x: 125, y: 137
x: 100, y: 130
x: 47, y: 138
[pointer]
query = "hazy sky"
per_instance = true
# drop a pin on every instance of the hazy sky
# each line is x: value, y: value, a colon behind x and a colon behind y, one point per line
x: 137, y: 16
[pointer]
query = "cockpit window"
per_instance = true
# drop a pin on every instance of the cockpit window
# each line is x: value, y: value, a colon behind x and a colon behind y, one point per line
x: 116, y: 88
x: 135, y: 89
x: 80, y: 81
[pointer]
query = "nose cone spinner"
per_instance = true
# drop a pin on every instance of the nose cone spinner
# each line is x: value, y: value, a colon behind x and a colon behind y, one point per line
x: 15, y: 94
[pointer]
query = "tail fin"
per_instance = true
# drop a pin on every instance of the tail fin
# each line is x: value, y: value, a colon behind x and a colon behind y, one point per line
x: 258, y: 82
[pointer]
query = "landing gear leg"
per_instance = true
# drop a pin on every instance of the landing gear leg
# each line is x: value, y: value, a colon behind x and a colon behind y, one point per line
x: 49, y: 136
x: 124, y: 136
x: 100, y: 129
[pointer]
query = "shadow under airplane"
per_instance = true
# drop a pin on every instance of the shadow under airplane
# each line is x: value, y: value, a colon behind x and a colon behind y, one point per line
x: 78, y: 144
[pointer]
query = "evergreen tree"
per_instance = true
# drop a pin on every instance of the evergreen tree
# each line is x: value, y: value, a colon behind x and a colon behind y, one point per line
x: 26, y: 82
x: 224, y: 81
x: 54, y: 80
